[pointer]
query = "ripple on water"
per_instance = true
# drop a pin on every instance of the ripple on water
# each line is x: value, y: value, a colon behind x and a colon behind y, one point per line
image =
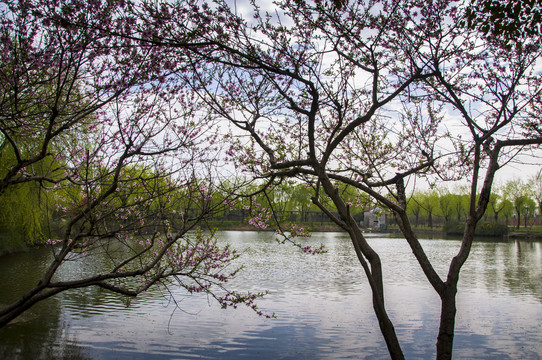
x: 322, y: 302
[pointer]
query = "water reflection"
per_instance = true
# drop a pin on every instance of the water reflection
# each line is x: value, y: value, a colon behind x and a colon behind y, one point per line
x: 322, y: 304
x: 36, y: 333
x: 514, y: 268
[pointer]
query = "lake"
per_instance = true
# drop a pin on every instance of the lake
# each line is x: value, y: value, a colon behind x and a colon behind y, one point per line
x: 322, y: 304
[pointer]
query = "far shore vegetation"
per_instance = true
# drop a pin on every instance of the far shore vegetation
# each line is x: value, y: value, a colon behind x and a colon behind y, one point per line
x: 31, y: 218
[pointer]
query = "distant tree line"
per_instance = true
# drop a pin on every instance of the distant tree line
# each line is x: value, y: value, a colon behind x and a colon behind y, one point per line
x: 31, y: 216
x: 516, y: 202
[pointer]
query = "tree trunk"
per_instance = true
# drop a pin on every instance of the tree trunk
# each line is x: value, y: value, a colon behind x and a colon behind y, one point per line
x: 519, y: 219
x: 374, y: 275
x: 387, y: 329
x: 445, y: 339
x: 372, y: 266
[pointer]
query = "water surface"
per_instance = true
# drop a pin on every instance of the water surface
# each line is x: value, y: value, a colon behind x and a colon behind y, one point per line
x: 322, y: 303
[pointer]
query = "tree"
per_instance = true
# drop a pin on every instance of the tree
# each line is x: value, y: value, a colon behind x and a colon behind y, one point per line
x: 517, y: 191
x: 527, y: 210
x: 363, y: 96
x: 360, y: 96
x: 521, y: 193
x: 138, y: 186
x: 22, y: 220
x: 536, y: 185
x: 494, y: 207
x: 504, y: 206
x: 324, y: 122
x: 415, y: 208
x: 446, y: 204
x: 507, y: 209
x: 430, y: 203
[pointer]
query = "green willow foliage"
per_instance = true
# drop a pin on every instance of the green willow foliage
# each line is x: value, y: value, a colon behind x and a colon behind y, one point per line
x: 23, y: 211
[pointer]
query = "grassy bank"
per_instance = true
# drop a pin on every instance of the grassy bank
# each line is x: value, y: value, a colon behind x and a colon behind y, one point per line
x: 533, y: 232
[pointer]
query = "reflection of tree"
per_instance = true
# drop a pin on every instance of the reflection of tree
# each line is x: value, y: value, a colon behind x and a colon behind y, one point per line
x: 524, y: 274
x: 515, y: 268
x: 43, y: 324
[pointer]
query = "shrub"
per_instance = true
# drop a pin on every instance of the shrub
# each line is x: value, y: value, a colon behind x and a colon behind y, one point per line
x: 484, y: 228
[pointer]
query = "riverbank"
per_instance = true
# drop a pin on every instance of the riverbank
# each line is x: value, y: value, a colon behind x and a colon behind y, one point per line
x: 532, y: 234
x: 7, y: 246
x: 522, y: 234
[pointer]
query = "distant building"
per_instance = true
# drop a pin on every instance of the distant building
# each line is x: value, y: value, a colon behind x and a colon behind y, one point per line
x: 374, y: 218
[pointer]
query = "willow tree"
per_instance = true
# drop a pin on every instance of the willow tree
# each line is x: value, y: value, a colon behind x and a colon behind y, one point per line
x: 367, y: 95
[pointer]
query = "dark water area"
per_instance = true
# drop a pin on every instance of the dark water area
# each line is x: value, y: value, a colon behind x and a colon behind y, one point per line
x: 322, y: 303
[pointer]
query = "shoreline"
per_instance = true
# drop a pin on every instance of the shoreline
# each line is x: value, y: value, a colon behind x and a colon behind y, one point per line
x: 419, y: 231
x: 422, y: 232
